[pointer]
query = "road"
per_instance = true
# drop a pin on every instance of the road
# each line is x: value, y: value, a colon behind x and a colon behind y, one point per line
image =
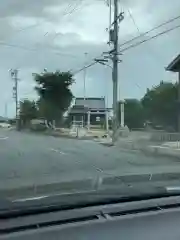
x: 28, y: 159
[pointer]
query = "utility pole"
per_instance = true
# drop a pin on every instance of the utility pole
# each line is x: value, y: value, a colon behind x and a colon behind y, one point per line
x: 113, y: 55
x: 114, y: 39
x: 84, y: 92
x: 14, y: 76
x: 115, y: 70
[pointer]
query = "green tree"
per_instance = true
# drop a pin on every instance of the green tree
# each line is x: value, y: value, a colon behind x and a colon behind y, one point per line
x: 54, y: 93
x: 160, y: 104
x: 133, y: 113
x: 28, y: 111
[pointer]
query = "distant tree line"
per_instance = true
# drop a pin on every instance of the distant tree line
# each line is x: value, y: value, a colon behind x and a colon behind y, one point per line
x: 158, y: 108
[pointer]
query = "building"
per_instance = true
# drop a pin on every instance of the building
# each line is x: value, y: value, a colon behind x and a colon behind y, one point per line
x: 3, y: 119
x: 174, y: 66
x: 89, y: 111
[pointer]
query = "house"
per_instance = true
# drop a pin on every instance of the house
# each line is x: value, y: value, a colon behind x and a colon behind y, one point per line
x: 89, y: 111
x: 4, y: 122
x: 174, y: 66
x: 3, y: 119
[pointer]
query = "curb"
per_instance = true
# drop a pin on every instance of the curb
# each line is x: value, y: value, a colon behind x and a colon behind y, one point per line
x: 156, y: 150
x: 136, y: 178
x: 46, y: 189
x: 70, y: 137
x: 58, y: 135
x: 81, y: 185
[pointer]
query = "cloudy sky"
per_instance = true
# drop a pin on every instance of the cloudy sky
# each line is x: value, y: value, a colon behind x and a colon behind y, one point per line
x: 56, y: 34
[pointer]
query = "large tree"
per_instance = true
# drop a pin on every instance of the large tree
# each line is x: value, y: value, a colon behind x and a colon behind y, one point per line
x: 54, y: 93
x: 133, y: 113
x: 28, y: 111
x: 160, y: 105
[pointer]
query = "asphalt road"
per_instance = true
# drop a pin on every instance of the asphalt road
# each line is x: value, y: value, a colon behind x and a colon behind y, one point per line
x: 28, y: 159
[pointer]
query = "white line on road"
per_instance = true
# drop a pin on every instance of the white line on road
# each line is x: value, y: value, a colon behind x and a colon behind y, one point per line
x: 54, y: 195
x: 58, y: 151
x: 30, y: 199
x: 173, y: 189
x: 3, y: 138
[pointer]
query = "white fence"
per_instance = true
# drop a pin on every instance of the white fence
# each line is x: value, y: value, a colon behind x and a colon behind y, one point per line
x: 165, y: 137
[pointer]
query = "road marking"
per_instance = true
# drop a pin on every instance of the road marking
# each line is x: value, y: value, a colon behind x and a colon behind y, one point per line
x: 58, y: 151
x: 3, y: 138
x: 56, y: 194
x: 30, y: 199
x: 130, y: 150
x: 175, y: 188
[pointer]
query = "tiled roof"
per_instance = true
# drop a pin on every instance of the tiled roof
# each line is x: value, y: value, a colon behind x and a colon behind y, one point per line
x: 174, y: 66
x: 78, y: 109
x: 91, y: 103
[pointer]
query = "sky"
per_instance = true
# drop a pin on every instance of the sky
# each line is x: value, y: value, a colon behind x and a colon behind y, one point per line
x: 56, y: 34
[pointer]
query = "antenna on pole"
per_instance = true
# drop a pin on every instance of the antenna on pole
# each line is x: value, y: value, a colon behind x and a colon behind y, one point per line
x: 84, y: 78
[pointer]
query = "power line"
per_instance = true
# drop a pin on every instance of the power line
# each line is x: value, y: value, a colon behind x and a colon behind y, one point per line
x: 75, y: 8
x: 34, y: 49
x: 22, y: 6
x: 132, y: 46
x: 131, y: 16
x: 109, y: 4
x: 63, y: 15
x: 151, y: 30
x: 77, y: 5
x: 36, y: 25
x: 40, y: 23
x: 150, y: 38
x: 85, y: 67
x: 138, y: 29
x: 92, y: 62
x: 137, y: 37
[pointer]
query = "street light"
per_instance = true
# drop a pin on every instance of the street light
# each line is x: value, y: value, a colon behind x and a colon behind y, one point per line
x: 104, y: 63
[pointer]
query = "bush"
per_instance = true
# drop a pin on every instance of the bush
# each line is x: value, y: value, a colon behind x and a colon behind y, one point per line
x: 38, y: 127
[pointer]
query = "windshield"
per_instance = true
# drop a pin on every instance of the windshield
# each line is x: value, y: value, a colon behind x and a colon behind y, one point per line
x: 89, y: 99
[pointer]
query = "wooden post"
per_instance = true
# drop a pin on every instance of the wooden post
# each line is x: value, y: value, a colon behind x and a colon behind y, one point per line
x: 88, y: 120
x: 107, y: 121
x: 122, y: 113
x: 179, y: 101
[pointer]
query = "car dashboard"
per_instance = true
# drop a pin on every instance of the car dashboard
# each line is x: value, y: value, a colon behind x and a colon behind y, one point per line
x: 147, y: 219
